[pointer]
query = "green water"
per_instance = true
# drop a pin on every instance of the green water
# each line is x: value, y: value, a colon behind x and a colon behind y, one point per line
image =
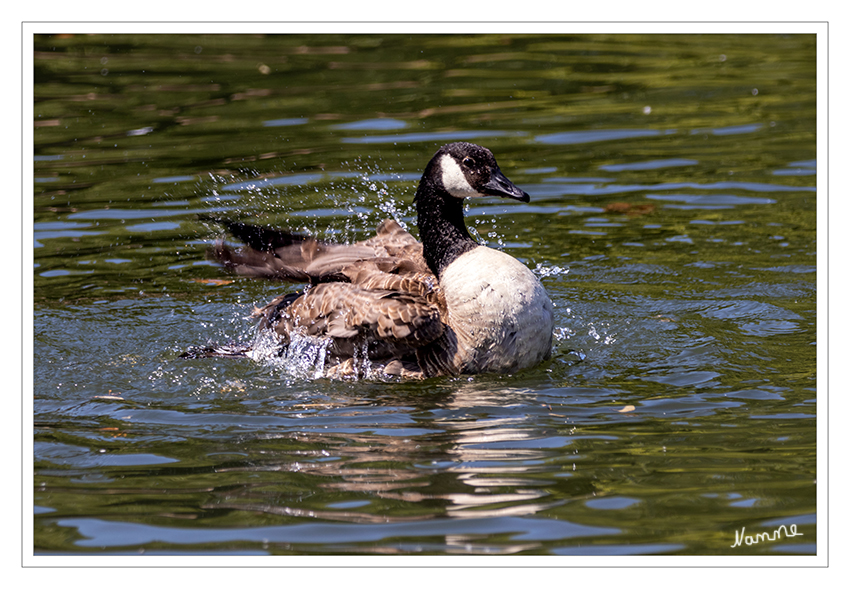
x: 672, y: 220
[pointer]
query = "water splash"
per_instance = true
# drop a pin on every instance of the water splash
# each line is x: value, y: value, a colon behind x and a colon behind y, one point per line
x: 305, y: 357
x: 361, y: 364
x: 309, y: 358
x: 390, y: 207
x: 563, y: 333
x: 603, y: 338
x: 549, y: 271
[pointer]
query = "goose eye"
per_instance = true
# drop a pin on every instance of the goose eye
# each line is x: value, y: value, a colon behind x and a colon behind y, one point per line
x: 468, y: 161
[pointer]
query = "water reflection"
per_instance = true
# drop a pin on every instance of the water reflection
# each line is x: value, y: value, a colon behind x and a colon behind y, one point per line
x: 574, y: 137
x: 478, y: 460
x: 461, y: 537
x: 438, y: 137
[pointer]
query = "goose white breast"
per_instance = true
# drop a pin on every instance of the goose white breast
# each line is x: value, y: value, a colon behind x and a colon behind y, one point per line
x: 500, y: 312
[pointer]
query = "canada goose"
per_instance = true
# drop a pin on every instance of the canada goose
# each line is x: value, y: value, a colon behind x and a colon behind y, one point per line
x: 443, y: 306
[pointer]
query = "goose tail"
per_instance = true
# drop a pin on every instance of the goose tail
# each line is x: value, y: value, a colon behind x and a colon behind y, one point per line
x: 233, y: 350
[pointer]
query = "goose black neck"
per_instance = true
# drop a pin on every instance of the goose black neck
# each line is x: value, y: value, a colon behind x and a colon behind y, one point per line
x: 441, y: 227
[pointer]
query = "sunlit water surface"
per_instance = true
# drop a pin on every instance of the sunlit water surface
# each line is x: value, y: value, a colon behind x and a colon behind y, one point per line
x: 672, y: 220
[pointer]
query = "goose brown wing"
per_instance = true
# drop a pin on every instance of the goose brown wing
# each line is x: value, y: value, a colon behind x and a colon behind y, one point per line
x: 282, y: 255
x: 378, y: 291
x: 347, y: 311
x: 264, y: 239
x: 309, y: 261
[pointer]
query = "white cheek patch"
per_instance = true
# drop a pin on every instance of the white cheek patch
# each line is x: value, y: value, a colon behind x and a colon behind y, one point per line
x: 454, y: 180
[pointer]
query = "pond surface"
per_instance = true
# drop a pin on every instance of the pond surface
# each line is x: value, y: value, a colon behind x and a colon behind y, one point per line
x: 672, y: 220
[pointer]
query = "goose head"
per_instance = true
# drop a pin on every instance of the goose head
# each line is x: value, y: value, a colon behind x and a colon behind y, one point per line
x: 456, y: 172
x: 465, y: 170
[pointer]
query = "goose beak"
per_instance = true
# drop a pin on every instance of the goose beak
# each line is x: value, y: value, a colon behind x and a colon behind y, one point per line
x: 499, y: 185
